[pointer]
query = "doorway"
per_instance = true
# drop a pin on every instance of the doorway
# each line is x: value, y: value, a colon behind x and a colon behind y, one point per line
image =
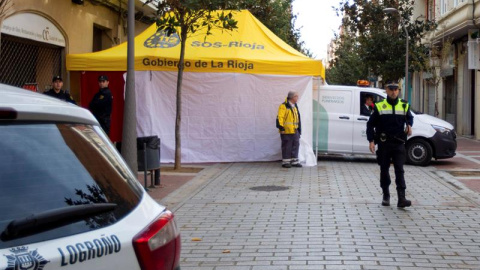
x: 450, y: 100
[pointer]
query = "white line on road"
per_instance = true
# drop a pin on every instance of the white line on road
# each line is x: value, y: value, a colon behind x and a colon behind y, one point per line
x: 468, y: 158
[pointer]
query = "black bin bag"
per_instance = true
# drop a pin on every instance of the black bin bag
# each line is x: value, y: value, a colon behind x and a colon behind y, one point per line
x: 152, y: 161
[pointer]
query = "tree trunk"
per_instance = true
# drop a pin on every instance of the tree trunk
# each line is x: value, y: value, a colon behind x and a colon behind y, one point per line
x: 178, y: 143
x: 129, y: 134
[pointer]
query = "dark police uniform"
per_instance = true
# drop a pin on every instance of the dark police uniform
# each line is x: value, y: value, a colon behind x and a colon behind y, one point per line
x: 101, y: 108
x: 62, y: 95
x: 386, y: 127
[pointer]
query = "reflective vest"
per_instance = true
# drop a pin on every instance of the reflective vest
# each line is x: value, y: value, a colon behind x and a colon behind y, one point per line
x: 288, y: 118
x: 385, y: 108
x: 392, y: 119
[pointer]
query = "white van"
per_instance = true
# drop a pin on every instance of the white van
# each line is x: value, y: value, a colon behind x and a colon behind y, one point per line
x: 339, y: 128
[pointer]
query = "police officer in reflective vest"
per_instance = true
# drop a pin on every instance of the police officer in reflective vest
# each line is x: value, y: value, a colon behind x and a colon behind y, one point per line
x: 388, y: 127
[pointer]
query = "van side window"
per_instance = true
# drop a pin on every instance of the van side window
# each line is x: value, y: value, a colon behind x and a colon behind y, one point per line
x: 366, y: 108
x: 366, y: 103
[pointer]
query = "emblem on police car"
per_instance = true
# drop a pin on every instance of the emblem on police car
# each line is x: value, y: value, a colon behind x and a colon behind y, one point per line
x: 24, y: 259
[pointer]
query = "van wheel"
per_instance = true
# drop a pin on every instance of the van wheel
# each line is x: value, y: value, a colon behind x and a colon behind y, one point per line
x: 419, y: 152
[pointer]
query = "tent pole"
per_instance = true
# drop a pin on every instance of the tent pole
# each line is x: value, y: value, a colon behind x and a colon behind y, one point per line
x: 318, y: 118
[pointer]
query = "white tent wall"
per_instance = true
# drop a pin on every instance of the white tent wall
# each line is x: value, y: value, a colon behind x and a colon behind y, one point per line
x: 226, y: 117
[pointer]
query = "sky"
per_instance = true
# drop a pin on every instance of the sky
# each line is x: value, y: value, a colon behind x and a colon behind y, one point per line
x: 318, y: 22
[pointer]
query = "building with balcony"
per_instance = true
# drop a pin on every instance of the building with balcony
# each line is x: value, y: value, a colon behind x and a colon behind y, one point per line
x: 452, y: 90
x: 37, y: 35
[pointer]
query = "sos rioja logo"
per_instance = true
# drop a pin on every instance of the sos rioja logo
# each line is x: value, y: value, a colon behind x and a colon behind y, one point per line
x: 161, y: 40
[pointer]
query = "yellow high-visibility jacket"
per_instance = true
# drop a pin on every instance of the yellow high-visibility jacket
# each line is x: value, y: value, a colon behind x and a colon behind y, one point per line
x: 288, y: 119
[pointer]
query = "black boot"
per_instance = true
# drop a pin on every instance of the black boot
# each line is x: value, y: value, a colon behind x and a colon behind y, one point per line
x: 402, y: 201
x: 386, y: 197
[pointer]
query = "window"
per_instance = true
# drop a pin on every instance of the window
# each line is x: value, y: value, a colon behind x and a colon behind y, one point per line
x: 443, y: 6
x: 364, y: 110
x: 457, y: 2
x: 44, y: 167
x: 101, y: 38
x: 97, y: 39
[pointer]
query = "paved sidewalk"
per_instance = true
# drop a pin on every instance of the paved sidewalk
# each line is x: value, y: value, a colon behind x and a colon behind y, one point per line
x: 330, y: 217
x: 465, y: 166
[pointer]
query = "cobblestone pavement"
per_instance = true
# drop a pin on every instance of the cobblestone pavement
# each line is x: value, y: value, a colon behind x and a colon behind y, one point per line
x: 330, y: 217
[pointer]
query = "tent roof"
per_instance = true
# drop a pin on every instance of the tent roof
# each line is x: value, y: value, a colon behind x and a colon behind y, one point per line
x: 252, y: 48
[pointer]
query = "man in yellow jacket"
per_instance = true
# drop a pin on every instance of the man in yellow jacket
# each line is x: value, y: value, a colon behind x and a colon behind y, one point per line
x: 290, y: 127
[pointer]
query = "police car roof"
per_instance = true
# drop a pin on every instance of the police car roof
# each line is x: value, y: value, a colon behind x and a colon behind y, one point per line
x: 31, y: 106
x: 356, y: 88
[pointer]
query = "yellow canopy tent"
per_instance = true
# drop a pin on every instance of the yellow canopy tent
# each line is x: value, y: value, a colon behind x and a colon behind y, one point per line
x: 252, y: 48
x: 232, y: 86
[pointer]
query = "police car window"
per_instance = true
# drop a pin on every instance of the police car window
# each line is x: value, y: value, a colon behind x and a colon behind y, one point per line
x: 50, y: 166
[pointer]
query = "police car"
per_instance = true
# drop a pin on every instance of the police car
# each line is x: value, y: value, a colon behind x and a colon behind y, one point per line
x: 340, y: 128
x: 67, y: 198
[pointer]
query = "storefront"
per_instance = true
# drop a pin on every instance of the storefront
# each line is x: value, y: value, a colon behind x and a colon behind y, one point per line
x: 32, y: 51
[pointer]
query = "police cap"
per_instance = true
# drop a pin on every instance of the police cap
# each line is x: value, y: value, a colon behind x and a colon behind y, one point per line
x: 391, y: 84
x: 102, y: 78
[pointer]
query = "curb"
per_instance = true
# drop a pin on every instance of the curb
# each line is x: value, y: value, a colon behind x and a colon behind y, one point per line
x: 456, y: 186
x: 177, y: 198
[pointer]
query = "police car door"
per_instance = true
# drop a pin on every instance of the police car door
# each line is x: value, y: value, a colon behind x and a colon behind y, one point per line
x: 339, y: 114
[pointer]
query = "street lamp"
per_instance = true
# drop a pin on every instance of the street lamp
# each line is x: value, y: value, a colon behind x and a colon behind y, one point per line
x: 395, y: 11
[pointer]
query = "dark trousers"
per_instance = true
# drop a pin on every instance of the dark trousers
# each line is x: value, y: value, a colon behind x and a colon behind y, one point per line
x: 391, y: 152
x: 105, y: 124
x: 290, y: 145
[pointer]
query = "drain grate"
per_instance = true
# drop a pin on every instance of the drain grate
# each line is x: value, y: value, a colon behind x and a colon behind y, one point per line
x: 464, y: 173
x: 269, y: 188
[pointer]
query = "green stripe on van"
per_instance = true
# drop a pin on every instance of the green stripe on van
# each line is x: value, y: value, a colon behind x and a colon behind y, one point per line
x: 320, y: 117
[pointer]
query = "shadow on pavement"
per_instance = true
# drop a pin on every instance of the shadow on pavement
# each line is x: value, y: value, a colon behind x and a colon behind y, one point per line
x: 347, y: 158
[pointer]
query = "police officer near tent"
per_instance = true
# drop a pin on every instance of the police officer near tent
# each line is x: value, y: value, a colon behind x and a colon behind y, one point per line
x: 101, y: 104
x: 388, y: 127
x: 290, y: 128
x: 57, y: 92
